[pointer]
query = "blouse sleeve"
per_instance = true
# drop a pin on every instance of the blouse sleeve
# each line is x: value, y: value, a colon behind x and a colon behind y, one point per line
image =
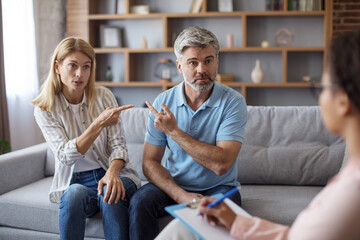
x: 258, y: 229
x: 56, y: 136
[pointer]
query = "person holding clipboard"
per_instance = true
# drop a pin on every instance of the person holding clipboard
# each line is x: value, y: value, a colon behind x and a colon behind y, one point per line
x: 335, y: 212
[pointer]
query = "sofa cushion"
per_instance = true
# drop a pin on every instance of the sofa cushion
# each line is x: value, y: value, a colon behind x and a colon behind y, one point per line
x: 280, y: 204
x: 134, y: 122
x: 22, y: 167
x: 29, y: 208
x: 50, y: 163
x: 22, y: 234
x: 288, y: 145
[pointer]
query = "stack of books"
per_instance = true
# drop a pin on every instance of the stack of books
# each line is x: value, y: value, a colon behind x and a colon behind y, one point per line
x: 273, y: 5
x: 306, y: 5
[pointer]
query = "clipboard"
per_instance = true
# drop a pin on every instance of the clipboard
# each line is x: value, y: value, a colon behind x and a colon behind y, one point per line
x: 200, y: 227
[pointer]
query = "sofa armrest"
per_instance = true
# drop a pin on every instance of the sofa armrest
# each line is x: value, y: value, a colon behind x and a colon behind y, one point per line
x: 21, y: 167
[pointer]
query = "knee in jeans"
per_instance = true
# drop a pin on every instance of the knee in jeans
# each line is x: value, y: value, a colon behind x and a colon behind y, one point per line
x: 139, y: 201
x: 74, y: 194
x: 104, y: 189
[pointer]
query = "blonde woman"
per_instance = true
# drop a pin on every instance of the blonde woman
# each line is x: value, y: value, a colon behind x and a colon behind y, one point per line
x: 80, y: 122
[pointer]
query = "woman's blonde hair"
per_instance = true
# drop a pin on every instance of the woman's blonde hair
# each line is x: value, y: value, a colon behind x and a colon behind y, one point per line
x: 53, y: 84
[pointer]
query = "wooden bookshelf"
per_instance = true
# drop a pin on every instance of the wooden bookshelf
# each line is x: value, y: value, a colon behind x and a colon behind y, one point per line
x: 84, y: 18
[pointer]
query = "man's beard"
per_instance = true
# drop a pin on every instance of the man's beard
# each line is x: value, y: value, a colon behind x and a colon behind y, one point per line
x: 202, y: 86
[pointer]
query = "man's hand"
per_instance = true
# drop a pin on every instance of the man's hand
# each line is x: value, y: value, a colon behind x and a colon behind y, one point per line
x: 164, y: 121
x: 188, y: 197
x: 110, y: 115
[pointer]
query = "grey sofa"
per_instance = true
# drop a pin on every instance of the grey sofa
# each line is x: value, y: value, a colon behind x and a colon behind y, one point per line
x: 286, y: 158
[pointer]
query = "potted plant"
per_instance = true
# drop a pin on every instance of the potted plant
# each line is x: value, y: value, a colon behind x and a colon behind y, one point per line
x: 4, y: 146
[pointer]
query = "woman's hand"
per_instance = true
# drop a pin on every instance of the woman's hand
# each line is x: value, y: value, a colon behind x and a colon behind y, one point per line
x: 221, y: 214
x: 110, y: 115
x: 115, y: 187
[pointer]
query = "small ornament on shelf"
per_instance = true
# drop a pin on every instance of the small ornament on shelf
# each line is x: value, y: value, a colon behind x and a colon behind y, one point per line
x: 265, y: 44
x: 140, y: 9
x: 230, y: 40
x: 257, y: 74
x: 143, y: 42
x: 224, y: 78
x: 284, y: 37
x: 165, y: 70
x: 109, y: 75
x: 306, y: 79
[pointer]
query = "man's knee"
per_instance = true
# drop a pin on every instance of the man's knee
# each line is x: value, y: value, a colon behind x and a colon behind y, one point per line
x: 145, y: 199
x: 139, y: 201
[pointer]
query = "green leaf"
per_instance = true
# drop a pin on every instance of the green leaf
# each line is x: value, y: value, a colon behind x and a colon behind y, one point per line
x: 4, y: 146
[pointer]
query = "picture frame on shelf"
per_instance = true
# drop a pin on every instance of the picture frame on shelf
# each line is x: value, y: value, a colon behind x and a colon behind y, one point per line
x: 110, y: 37
x: 225, y: 5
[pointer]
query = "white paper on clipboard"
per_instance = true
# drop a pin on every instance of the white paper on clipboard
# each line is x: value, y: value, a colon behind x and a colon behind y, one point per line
x: 200, y: 226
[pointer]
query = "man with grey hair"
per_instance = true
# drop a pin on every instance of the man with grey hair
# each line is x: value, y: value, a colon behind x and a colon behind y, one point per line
x: 201, y: 123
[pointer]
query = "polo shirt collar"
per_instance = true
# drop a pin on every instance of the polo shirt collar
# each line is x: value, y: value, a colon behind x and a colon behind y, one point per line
x: 213, y: 101
x: 180, y: 97
x: 215, y: 97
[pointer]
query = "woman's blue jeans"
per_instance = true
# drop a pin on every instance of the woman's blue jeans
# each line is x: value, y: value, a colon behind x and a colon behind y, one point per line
x: 81, y: 200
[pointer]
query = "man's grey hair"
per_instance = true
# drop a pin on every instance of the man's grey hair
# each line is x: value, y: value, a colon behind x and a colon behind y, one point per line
x: 195, y: 37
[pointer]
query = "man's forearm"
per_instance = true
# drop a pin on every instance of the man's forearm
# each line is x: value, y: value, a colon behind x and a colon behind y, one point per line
x: 211, y: 157
x: 161, y: 177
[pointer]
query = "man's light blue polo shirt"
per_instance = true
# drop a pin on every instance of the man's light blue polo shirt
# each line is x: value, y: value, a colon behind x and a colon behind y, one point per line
x: 221, y: 118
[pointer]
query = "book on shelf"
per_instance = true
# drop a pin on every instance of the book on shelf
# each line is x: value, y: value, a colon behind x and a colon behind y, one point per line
x: 225, y: 5
x: 302, y: 5
x: 309, y: 5
x: 273, y: 5
x: 318, y: 5
x: 196, y: 6
x: 305, y: 5
x: 120, y: 7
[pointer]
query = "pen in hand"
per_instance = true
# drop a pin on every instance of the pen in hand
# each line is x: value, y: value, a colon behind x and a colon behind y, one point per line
x: 226, y: 195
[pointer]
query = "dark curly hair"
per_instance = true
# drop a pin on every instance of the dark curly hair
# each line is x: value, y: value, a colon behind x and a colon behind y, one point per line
x: 344, y: 64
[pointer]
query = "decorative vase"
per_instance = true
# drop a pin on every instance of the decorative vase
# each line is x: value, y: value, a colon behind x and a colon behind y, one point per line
x: 143, y: 42
x: 230, y: 41
x: 257, y: 74
x: 109, y: 75
x: 165, y: 70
